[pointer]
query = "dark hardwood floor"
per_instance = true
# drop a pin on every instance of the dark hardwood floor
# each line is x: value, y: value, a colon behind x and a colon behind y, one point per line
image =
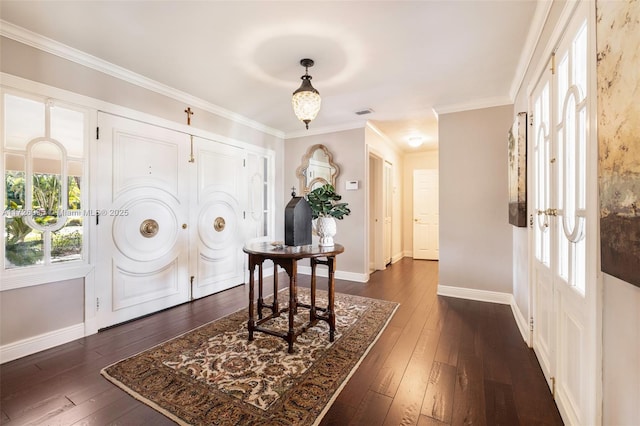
x: 440, y: 361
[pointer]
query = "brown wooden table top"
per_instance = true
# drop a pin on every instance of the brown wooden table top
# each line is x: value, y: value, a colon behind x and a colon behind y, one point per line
x: 291, y: 252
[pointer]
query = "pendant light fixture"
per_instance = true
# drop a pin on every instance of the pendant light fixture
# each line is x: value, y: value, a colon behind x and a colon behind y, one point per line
x: 306, y: 100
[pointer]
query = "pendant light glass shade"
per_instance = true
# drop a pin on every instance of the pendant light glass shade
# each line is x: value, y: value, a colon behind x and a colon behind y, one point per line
x: 306, y: 100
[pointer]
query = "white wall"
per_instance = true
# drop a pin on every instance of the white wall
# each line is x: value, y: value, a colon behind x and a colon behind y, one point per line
x: 475, y: 235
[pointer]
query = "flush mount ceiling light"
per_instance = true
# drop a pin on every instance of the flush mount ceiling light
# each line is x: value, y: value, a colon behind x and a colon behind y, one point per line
x: 415, y: 141
x: 306, y: 100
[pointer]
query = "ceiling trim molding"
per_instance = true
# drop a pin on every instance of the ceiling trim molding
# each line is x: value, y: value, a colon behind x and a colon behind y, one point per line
x: 395, y: 145
x: 476, y: 104
x: 324, y: 130
x: 543, y: 8
x: 61, y: 50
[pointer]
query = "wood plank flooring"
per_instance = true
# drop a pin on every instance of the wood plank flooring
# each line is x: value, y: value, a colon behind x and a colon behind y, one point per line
x: 441, y: 361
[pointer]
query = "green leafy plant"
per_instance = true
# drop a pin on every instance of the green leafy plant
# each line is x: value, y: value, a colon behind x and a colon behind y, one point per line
x: 324, y: 202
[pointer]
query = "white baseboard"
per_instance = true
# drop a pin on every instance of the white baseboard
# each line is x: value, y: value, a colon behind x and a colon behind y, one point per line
x: 475, y: 294
x: 397, y: 257
x: 489, y: 296
x: 521, y: 321
x: 340, y: 275
x: 41, y: 342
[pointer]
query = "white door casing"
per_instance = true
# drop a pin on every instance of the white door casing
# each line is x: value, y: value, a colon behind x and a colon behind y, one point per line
x: 425, y: 214
x: 142, y: 261
x: 387, y: 191
x: 564, y: 291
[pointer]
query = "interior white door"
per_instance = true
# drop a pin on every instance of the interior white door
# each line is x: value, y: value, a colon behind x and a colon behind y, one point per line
x: 544, y: 311
x: 388, y: 211
x: 425, y: 214
x: 218, y: 216
x: 142, y: 260
x: 564, y: 336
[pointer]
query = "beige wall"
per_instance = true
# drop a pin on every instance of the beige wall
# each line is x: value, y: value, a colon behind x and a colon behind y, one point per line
x: 348, y: 150
x: 22, y: 308
x: 475, y: 235
x: 413, y: 161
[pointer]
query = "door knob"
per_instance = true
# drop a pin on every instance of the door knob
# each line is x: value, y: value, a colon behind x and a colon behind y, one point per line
x: 184, y: 226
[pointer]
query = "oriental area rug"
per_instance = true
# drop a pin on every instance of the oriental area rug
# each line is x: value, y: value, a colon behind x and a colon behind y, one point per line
x: 214, y: 375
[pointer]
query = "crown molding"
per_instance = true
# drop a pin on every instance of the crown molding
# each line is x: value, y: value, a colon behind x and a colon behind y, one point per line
x: 476, y: 104
x: 61, y: 50
x: 325, y: 130
x: 395, y: 145
x: 533, y: 39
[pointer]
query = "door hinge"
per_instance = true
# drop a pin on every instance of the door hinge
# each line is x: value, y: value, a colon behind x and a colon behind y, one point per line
x: 531, y: 324
x: 244, y: 215
x: 97, y: 303
x: 553, y: 387
x: 553, y: 63
x: 244, y: 162
x: 97, y: 133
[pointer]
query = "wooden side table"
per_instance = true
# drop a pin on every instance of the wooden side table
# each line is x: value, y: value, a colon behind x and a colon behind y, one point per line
x: 287, y: 257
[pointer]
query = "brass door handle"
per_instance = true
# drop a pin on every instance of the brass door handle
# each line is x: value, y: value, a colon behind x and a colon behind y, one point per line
x: 548, y: 212
x: 149, y: 228
x: 219, y: 224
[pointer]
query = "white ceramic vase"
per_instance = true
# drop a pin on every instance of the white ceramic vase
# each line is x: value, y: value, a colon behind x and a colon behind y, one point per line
x: 325, y: 228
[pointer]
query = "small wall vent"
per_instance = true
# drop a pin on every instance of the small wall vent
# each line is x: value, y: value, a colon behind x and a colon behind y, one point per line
x: 364, y: 111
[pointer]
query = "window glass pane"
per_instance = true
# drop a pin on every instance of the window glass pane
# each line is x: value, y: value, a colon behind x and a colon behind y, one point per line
x: 14, y: 184
x: 66, y: 244
x: 67, y: 127
x: 23, y: 121
x: 46, y: 163
x: 24, y: 246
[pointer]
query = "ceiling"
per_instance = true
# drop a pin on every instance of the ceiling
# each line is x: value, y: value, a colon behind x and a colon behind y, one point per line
x: 402, y: 59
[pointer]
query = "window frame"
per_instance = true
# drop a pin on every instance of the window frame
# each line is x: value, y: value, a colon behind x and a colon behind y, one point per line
x: 32, y: 275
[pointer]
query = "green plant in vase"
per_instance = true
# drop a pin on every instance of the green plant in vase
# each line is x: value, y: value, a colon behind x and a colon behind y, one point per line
x: 325, y: 209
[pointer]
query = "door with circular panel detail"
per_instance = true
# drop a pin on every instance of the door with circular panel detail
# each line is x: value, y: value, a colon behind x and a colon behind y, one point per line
x: 217, y: 197
x: 142, y: 264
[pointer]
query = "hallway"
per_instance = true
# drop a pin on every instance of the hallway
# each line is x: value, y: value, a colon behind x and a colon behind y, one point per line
x: 440, y: 361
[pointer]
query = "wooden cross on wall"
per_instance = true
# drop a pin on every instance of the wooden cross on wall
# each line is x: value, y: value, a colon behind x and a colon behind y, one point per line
x: 189, y: 114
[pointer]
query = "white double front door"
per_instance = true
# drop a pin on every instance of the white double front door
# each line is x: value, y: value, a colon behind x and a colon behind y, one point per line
x: 170, y: 225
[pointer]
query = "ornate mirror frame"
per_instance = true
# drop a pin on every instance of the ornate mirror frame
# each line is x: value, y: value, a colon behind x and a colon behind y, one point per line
x: 317, y: 169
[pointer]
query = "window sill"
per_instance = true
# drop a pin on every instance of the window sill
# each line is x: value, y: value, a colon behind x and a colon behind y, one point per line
x: 28, y: 277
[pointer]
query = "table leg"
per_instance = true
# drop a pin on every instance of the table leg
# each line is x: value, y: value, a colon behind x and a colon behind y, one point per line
x: 260, y: 299
x: 292, y: 304
x: 276, y: 308
x: 312, y: 311
x: 331, y: 260
x: 251, y: 323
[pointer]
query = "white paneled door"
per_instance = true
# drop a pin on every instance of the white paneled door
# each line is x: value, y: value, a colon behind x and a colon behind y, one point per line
x: 217, y: 233
x: 170, y: 224
x: 425, y: 214
x: 562, y: 292
x: 142, y: 264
